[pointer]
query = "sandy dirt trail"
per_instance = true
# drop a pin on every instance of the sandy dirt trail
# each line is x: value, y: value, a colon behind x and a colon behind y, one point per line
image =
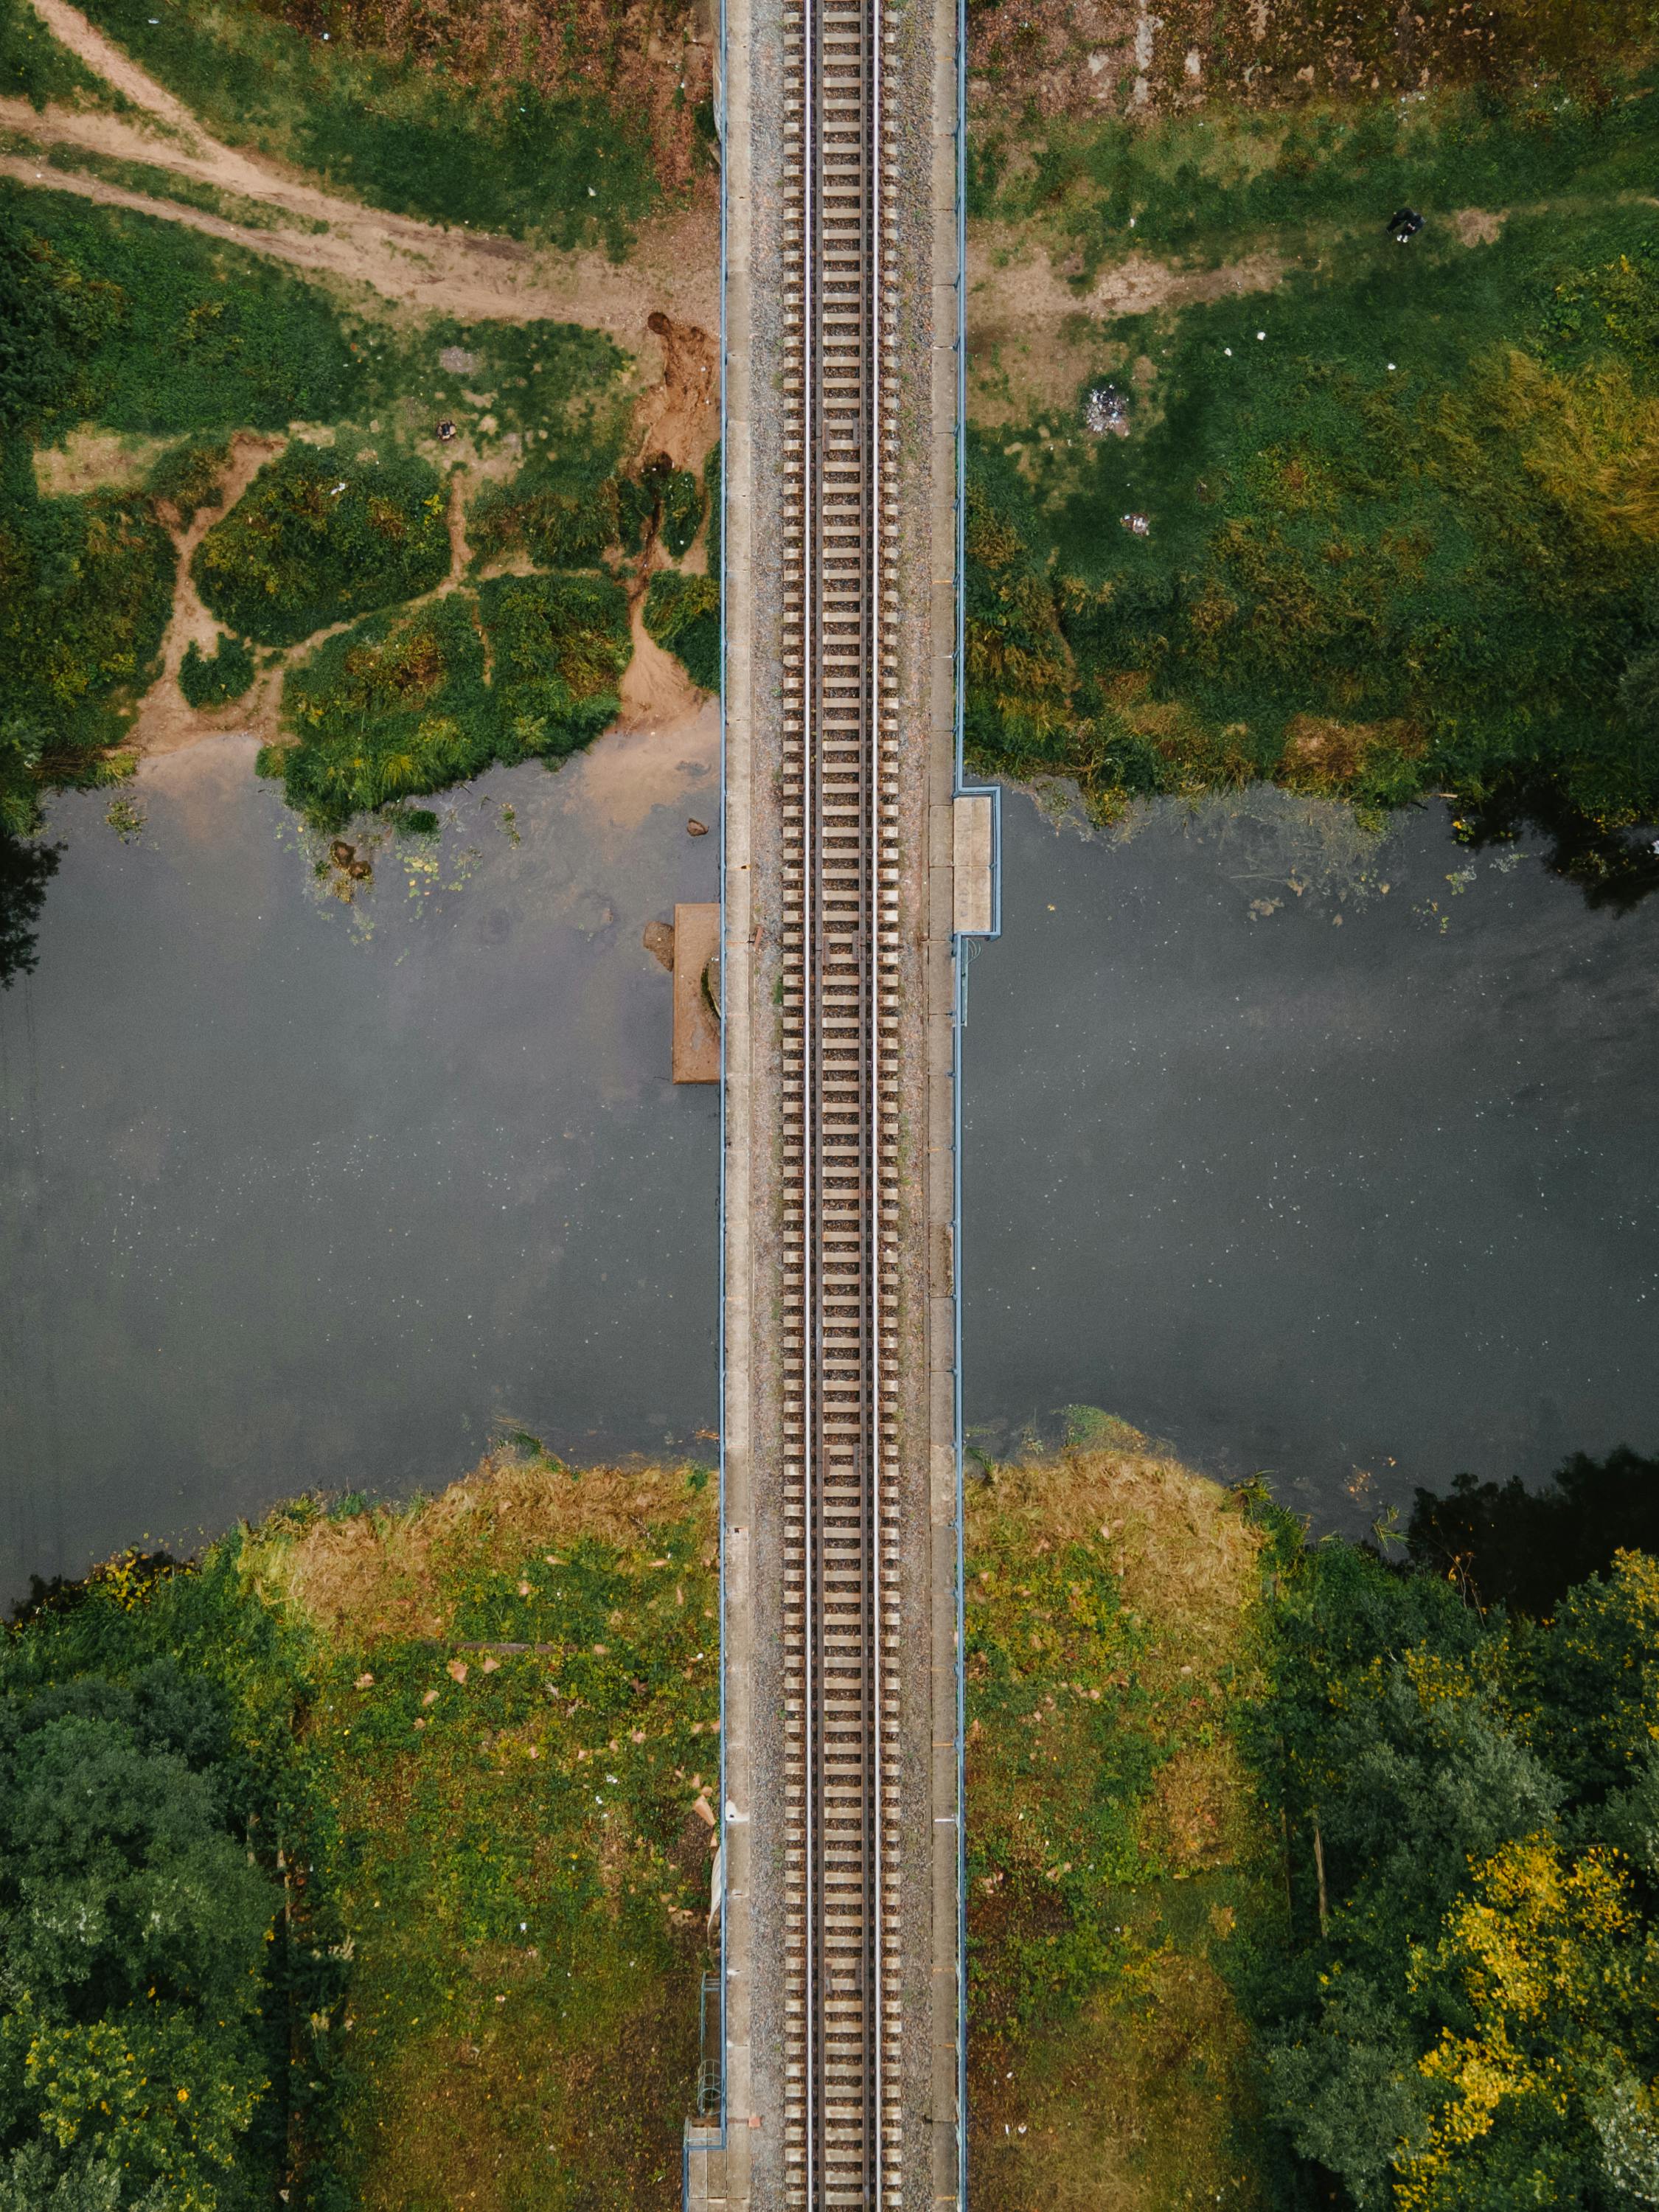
x: 471, y: 275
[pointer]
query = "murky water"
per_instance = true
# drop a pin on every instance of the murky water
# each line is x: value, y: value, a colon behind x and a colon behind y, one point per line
x: 299, y: 1193
x: 1357, y: 1184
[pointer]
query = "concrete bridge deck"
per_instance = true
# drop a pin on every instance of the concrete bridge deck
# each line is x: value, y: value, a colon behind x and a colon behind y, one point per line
x: 851, y: 866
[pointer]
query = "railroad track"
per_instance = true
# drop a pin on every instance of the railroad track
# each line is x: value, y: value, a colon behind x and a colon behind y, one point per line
x: 842, y: 2135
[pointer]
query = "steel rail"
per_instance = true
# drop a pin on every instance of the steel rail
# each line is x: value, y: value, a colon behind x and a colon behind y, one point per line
x: 842, y: 2133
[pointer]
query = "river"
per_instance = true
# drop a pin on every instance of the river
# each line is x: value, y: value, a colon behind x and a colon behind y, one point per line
x: 1333, y: 1155
x: 1313, y: 1153
x: 301, y: 1194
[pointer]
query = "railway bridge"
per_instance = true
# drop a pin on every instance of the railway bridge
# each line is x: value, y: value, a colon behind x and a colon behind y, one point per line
x: 853, y: 868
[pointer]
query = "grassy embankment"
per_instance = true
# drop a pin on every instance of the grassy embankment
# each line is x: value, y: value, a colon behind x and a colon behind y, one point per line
x: 1401, y: 534
x: 494, y: 1869
x: 568, y: 133
x: 124, y: 324
x: 1295, y: 1879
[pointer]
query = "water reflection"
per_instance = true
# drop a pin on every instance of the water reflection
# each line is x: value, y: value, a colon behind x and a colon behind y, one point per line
x: 1312, y: 1151
x: 301, y: 1189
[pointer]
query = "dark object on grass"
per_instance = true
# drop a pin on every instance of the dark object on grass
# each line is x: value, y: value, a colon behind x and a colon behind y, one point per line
x: 215, y: 681
x: 1524, y: 1549
x: 445, y: 429
x: 1403, y: 224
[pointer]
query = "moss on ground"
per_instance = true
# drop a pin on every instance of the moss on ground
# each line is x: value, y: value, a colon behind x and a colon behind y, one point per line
x: 1117, y: 1854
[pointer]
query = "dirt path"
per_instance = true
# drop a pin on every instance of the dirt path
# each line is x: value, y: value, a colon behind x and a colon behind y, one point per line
x: 471, y: 275
x: 165, y: 722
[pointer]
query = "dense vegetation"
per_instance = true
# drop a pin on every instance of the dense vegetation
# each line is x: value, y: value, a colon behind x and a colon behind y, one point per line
x: 137, y: 327
x: 320, y: 536
x: 399, y: 705
x: 1398, y: 534
x: 490, y: 120
x: 482, y: 1738
x: 1462, y: 2013
x: 682, y: 613
x: 153, y: 1994
x: 215, y: 679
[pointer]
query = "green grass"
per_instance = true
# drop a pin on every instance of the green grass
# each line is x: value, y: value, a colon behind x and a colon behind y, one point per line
x: 130, y: 322
x: 1402, y: 542
x: 499, y: 155
x: 1117, y: 1859
x: 682, y: 613
x: 34, y: 66
x: 1197, y: 184
x: 215, y: 679
x: 85, y: 589
x: 321, y: 535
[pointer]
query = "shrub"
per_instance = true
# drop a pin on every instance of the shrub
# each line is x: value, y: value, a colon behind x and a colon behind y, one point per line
x: 188, y: 479
x: 392, y: 708
x: 561, y: 508
x: 658, y: 501
x: 682, y: 613
x: 560, y: 644
x: 215, y: 681
x: 318, y: 538
x: 85, y: 589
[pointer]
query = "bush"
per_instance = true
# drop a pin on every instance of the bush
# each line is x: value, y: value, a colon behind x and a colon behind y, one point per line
x: 682, y: 613
x: 393, y: 707
x: 560, y: 644
x: 318, y: 538
x: 188, y: 479
x: 85, y: 589
x: 561, y: 508
x: 1460, y: 2012
x: 658, y: 503
x: 215, y: 681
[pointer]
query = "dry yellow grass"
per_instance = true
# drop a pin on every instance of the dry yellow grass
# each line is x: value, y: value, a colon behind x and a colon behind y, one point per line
x: 382, y: 1573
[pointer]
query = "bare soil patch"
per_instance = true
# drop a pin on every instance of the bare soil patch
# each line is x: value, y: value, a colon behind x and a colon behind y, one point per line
x: 680, y: 416
x: 96, y: 460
